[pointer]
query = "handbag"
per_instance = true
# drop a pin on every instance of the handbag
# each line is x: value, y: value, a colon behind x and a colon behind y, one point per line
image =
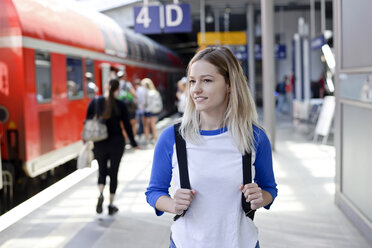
x: 86, y: 155
x: 94, y: 129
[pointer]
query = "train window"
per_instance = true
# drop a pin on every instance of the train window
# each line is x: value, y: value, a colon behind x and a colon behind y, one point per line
x: 143, y: 52
x: 74, y: 78
x: 89, y: 75
x: 130, y: 48
x: 43, y: 77
x: 137, y: 51
x: 133, y: 50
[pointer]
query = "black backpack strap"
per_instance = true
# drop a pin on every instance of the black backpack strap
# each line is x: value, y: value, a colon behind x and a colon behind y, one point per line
x: 184, y: 173
x: 182, y: 162
x: 247, y: 178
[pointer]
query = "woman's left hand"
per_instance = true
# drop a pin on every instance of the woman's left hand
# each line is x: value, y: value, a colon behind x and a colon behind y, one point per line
x: 253, y: 194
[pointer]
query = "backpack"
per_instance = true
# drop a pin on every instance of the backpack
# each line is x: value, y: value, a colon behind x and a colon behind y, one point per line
x: 280, y: 88
x: 128, y: 99
x: 155, y: 102
x: 184, y: 174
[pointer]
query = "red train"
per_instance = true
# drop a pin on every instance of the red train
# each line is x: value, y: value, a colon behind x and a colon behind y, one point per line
x: 46, y: 49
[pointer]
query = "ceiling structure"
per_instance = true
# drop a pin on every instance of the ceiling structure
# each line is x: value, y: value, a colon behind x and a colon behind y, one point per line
x: 238, y: 6
x: 185, y: 44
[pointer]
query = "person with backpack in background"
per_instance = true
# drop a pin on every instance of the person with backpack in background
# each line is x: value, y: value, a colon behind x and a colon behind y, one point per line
x: 128, y: 95
x: 153, y: 107
x: 221, y: 138
x: 280, y: 90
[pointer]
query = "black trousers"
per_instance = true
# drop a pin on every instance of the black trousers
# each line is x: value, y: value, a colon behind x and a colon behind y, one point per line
x: 111, y: 150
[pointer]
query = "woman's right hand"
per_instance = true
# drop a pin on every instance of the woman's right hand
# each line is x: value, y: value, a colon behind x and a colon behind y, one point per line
x: 182, y: 200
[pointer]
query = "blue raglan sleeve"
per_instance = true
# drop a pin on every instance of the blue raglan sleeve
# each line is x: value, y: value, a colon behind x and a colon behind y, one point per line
x: 264, y: 175
x: 161, y: 173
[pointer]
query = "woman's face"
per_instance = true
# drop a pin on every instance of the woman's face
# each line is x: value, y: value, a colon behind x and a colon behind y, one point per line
x: 208, y: 88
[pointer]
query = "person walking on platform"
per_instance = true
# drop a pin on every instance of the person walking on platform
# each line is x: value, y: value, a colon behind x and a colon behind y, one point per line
x: 222, y: 136
x: 153, y: 107
x: 109, y: 152
x: 280, y: 89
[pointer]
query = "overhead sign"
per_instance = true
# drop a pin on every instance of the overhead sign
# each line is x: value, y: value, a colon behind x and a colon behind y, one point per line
x: 318, y: 42
x: 240, y: 52
x: 170, y: 18
x: 222, y: 38
x: 177, y: 18
x: 280, y: 52
x: 147, y: 19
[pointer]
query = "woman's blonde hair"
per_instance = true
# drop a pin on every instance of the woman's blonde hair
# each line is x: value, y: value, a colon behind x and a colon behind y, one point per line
x: 240, y: 112
x: 147, y: 82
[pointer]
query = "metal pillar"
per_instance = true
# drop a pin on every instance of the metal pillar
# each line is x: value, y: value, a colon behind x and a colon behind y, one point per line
x: 216, y: 21
x: 202, y: 21
x: 312, y: 19
x: 268, y: 68
x: 323, y: 16
x: 306, y: 69
x: 298, y: 71
x: 250, y: 50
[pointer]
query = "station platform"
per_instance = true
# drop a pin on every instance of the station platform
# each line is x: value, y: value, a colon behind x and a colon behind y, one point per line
x: 303, y: 215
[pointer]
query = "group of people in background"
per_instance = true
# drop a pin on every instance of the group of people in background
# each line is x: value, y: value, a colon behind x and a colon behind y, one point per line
x: 144, y: 103
x: 285, y: 91
x: 284, y: 96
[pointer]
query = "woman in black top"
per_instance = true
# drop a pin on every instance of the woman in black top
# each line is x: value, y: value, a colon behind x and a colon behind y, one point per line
x: 113, y: 112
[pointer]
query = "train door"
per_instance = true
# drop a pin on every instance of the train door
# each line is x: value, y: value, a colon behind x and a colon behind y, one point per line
x: 43, y: 68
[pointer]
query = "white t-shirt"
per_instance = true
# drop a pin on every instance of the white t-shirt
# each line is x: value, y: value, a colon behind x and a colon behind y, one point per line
x: 215, y: 218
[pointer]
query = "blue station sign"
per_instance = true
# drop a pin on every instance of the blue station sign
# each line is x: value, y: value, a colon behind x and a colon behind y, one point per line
x: 170, y: 18
x: 280, y: 51
x: 147, y: 20
x: 318, y: 42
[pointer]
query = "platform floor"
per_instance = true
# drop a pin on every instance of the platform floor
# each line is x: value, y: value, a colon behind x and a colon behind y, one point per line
x: 303, y: 215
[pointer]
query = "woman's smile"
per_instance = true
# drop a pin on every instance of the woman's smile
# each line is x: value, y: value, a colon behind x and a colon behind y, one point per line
x: 200, y: 99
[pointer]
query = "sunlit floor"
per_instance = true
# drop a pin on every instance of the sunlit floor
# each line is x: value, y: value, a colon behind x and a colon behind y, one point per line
x: 303, y: 215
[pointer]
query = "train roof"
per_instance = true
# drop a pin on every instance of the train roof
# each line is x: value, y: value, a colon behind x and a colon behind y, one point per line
x: 69, y: 23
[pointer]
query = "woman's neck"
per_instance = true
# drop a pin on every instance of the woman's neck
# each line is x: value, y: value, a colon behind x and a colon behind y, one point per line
x: 210, y: 122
